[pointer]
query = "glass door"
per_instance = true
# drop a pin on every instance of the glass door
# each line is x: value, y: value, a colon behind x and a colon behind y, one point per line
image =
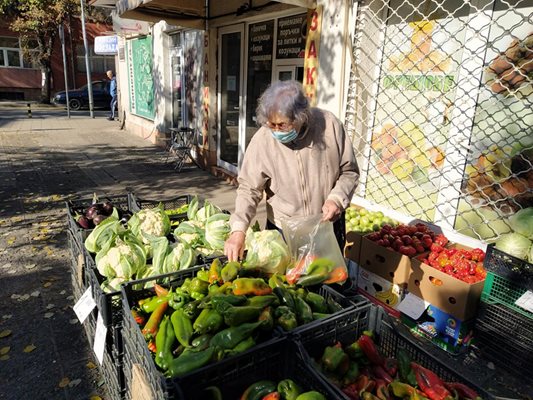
x: 230, y: 106
x: 176, y: 79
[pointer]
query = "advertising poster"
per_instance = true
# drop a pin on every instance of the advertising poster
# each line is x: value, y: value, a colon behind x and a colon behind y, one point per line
x: 142, y: 79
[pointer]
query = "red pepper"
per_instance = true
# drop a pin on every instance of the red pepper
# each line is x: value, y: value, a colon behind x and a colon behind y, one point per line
x: 364, y: 384
x: 160, y: 291
x: 430, y: 383
x: 462, y: 390
x: 151, y: 346
x: 351, y: 391
x: 371, y: 351
x: 391, y: 366
x: 380, y: 373
x: 339, y: 274
x: 138, y: 317
x: 272, y: 396
x: 382, y: 390
x: 150, y: 329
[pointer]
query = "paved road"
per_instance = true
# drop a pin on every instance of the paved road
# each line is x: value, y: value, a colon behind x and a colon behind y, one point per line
x: 44, y: 161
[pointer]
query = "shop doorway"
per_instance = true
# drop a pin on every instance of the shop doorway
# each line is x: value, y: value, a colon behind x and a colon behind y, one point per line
x: 176, y: 79
x: 230, y: 103
x: 289, y: 72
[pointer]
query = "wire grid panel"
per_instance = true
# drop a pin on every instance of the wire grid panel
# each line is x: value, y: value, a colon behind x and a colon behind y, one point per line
x: 440, y: 110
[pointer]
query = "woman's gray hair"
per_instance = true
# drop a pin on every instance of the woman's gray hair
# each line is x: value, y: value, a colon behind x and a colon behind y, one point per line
x: 285, y: 98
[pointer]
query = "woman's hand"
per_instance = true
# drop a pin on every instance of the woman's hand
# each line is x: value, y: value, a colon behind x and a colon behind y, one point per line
x: 234, y: 246
x: 331, y: 211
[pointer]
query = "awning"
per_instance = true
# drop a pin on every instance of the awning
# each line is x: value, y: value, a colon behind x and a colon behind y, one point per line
x: 193, y: 13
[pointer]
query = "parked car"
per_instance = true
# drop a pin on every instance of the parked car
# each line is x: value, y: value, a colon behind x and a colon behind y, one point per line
x: 79, y: 98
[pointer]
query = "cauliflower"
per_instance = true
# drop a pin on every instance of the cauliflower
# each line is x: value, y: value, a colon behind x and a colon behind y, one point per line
x: 123, y: 259
x: 153, y: 221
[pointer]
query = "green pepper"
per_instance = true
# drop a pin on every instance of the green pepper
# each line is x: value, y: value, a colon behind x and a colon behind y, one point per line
x: 203, y: 275
x: 267, y: 317
x: 229, y: 338
x: 197, y: 295
x: 407, y: 374
x: 201, y: 342
x: 335, y: 359
x: 403, y: 390
x: 354, y: 351
x: 352, y: 373
x: 214, y: 271
x: 188, y: 362
x: 303, y: 311
x: 317, y: 315
x: 286, y: 318
x: 333, y: 306
x: 251, y: 286
x: 237, y: 315
x: 230, y: 271
x: 312, y: 395
x: 317, y: 302
x: 182, y: 327
x: 199, y: 286
x: 276, y: 280
x: 288, y: 389
x: 186, y: 285
x: 208, y: 321
x: 285, y: 297
x: 228, y: 298
x: 262, y: 301
x: 164, y: 341
x: 192, y: 309
x: 243, y: 345
x: 178, y: 299
x: 150, y: 305
x: 319, y: 275
x: 215, y: 289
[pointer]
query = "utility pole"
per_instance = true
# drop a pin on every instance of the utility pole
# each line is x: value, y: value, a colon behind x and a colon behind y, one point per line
x: 62, y: 37
x: 87, y: 64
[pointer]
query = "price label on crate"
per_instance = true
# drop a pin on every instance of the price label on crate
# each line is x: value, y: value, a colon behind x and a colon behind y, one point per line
x: 526, y: 301
x: 413, y: 306
x: 99, y: 338
x: 84, y: 305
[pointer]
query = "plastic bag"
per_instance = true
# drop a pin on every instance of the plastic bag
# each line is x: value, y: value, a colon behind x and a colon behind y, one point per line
x: 313, y: 246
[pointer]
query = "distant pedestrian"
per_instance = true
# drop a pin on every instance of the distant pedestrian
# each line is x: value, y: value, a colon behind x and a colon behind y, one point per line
x: 113, y: 93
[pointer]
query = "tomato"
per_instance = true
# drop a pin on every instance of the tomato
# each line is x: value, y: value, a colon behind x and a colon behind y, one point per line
x: 441, y: 240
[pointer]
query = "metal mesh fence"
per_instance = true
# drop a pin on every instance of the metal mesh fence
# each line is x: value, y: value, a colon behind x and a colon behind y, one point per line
x: 440, y: 109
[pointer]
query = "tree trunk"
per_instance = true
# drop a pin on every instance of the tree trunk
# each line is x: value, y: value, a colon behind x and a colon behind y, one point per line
x: 45, y: 84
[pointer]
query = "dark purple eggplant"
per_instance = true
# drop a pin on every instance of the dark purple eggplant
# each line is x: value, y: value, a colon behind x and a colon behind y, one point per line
x: 84, y: 222
x: 99, y: 218
x: 107, y: 208
x: 92, y: 211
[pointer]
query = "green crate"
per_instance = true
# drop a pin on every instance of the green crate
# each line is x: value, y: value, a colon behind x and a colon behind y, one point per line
x: 500, y: 290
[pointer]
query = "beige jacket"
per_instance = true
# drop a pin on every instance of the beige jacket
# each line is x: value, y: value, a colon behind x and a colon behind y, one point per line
x: 298, y: 177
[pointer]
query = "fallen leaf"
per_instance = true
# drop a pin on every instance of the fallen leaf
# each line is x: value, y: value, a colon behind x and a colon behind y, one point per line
x: 5, y: 350
x: 30, y: 266
x: 47, y: 284
x: 10, y: 241
x: 48, y: 315
x: 73, y: 321
x: 6, y: 266
x: 35, y: 293
x: 91, y: 365
x: 7, y: 316
x: 4, y: 357
x: 62, y: 292
x: 24, y: 297
x: 74, y: 382
x: 70, y: 297
x: 5, y: 333
x: 50, y: 306
x: 47, y: 268
x: 64, y: 382
x: 11, y: 272
x: 29, y: 348
x: 15, y: 296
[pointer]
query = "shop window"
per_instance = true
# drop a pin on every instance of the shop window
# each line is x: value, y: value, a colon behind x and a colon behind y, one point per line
x: 99, y: 63
x: 10, y: 53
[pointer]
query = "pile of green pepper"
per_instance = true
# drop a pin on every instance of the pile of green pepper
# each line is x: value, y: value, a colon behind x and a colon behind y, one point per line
x: 218, y: 314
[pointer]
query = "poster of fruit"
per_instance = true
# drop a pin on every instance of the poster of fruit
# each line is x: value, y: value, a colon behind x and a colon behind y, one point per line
x: 498, y: 179
x: 417, y: 87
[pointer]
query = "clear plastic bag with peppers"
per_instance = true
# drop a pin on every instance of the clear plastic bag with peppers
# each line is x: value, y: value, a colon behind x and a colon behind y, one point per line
x: 313, y: 246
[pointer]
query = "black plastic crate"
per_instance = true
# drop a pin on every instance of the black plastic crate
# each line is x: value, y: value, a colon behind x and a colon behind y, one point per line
x: 347, y: 327
x: 509, y: 267
x: 78, y: 206
x: 136, y: 204
x: 275, y: 360
x: 78, y: 269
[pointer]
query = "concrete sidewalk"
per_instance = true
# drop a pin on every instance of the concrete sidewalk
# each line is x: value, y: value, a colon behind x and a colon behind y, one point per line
x: 44, y: 161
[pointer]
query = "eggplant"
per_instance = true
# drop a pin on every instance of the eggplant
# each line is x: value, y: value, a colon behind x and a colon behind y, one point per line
x: 99, y: 218
x: 92, y: 211
x: 107, y: 208
x: 84, y: 222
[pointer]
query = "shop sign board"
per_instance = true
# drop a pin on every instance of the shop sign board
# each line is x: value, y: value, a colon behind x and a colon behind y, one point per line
x: 291, y: 36
x: 106, y: 45
x: 311, y: 54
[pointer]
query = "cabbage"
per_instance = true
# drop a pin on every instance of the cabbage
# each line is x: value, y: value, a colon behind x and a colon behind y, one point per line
x: 151, y: 221
x: 104, y: 232
x: 207, y: 211
x: 121, y: 258
x: 190, y: 232
x: 217, y: 230
x: 514, y: 244
x: 180, y: 256
x: 522, y: 222
x: 267, y: 251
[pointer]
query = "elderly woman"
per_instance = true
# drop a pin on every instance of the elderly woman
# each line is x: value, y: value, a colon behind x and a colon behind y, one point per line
x: 300, y: 157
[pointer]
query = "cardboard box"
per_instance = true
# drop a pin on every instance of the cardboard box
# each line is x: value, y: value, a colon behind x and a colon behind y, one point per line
x: 388, y: 264
x: 441, y: 328
x: 451, y: 295
x: 384, y: 291
x: 352, y: 249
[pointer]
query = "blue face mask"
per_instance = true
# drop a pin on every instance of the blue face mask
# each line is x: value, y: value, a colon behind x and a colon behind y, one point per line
x: 284, y: 137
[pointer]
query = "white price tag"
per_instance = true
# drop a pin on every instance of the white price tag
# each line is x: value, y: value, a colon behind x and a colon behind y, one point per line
x: 84, y: 305
x: 526, y: 301
x: 99, y: 338
x: 413, y: 306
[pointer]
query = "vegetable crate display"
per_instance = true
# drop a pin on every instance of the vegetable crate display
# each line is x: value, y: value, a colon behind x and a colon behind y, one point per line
x: 139, y: 365
x: 254, y: 374
x: 77, y: 266
x: 372, y: 320
x: 175, y: 208
x: 80, y: 212
x: 508, y: 279
x: 112, y: 366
